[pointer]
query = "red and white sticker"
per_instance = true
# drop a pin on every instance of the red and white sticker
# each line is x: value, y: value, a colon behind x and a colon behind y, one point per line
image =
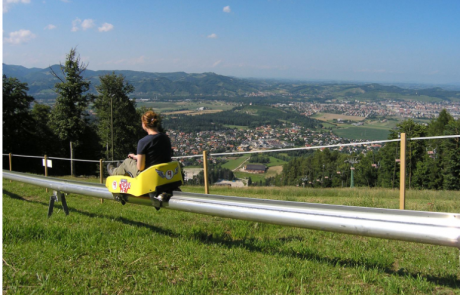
x: 124, y: 186
x: 114, y: 185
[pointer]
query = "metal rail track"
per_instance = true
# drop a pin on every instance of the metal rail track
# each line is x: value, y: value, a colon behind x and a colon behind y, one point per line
x: 434, y: 228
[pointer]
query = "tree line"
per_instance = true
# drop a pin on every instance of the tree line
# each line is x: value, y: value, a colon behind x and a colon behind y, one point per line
x: 430, y: 164
x: 79, y: 125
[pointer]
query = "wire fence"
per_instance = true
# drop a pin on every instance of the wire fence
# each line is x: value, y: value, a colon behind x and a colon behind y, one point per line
x: 102, y: 161
x: 403, y: 139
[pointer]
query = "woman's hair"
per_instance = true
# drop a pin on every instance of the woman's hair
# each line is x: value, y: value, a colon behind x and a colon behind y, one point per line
x: 152, y: 120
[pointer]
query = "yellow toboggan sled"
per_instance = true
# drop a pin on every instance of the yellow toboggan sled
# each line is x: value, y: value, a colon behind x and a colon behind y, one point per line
x: 156, y: 182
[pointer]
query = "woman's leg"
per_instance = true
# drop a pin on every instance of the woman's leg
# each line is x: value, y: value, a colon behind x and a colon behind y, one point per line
x: 128, y: 165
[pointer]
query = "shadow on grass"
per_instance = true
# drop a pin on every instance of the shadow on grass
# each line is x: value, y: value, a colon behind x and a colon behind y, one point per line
x: 99, y: 215
x: 251, y: 244
x: 309, y: 254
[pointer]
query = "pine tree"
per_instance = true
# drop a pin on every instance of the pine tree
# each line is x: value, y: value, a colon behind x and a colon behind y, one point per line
x: 17, y: 122
x: 47, y: 139
x: 119, y: 125
x: 68, y: 116
x: 451, y: 165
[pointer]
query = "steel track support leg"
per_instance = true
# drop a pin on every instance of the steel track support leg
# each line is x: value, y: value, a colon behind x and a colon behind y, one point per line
x: 56, y: 197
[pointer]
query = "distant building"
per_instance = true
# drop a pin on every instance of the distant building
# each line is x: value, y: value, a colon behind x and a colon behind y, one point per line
x: 255, y: 168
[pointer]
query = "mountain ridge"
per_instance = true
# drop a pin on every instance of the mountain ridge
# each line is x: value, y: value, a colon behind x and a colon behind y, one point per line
x: 41, y: 82
x: 181, y: 84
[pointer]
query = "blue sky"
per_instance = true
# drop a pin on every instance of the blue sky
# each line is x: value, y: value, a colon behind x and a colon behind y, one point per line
x: 346, y: 40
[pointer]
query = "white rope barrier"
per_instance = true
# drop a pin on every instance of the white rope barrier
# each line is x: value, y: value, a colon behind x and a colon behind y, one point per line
x: 78, y: 160
x: 183, y: 157
x: 53, y: 158
x: 260, y: 151
x: 307, y: 148
x: 435, y: 137
x: 24, y: 156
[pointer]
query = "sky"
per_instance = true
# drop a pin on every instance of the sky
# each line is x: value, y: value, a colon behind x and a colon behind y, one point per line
x: 389, y: 41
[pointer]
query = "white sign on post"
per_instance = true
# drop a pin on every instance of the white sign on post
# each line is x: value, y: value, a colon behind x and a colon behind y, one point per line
x: 49, y: 164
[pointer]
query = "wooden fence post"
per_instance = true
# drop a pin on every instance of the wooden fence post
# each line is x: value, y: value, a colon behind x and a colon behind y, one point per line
x: 101, y: 176
x: 402, y: 171
x: 46, y: 169
x: 11, y: 162
x: 205, y: 175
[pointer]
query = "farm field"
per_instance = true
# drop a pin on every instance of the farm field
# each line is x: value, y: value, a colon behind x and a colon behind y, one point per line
x: 328, y: 117
x: 275, y: 162
x: 273, y: 171
x: 235, y: 162
x: 372, y: 130
x: 254, y: 176
x: 165, y: 107
x: 237, y: 127
x: 113, y: 249
x: 192, y: 112
x: 362, y: 132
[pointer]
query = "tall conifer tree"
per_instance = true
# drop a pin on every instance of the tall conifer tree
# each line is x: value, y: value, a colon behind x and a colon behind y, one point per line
x: 17, y: 122
x: 68, y: 116
x: 117, y: 113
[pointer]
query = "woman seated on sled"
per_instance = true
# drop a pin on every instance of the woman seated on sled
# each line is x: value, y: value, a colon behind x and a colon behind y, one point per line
x: 153, y: 149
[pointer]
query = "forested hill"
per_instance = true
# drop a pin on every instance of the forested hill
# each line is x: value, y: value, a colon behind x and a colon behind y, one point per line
x: 41, y: 82
x: 179, y: 84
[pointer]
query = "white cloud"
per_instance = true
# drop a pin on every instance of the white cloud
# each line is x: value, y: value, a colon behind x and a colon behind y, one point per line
x: 75, y: 24
x: 8, y: 3
x: 105, y: 27
x: 212, y: 36
x: 227, y: 9
x: 19, y: 37
x: 216, y: 63
x: 87, y: 24
x: 50, y: 27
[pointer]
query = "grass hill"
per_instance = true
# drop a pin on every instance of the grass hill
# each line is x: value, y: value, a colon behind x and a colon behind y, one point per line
x: 107, y: 248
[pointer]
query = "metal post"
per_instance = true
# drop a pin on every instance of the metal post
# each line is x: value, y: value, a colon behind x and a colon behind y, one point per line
x: 101, y: 176
x: 402, y: 176
x: 46, y: 169
x: 205, y: 175
x: 352, y: 182
x: 352, y: 168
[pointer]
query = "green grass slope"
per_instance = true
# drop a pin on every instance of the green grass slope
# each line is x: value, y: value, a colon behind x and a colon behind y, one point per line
x: 113, y: 249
